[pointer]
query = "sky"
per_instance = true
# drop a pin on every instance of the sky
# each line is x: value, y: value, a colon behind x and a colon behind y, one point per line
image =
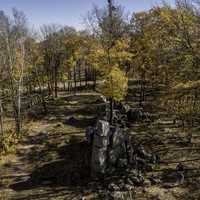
x: 67, y: 12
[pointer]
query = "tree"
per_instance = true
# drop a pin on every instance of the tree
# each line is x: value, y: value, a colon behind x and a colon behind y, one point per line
x: 1, y: 119
x: 111, y: 54
x: 108, y: 25
x: 36, y: 75
x: 115, y: 87
x: 13, y: 35
x: 61, y: 51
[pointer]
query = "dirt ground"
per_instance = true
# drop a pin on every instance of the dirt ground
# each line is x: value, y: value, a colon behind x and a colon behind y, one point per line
x: 47, y: 160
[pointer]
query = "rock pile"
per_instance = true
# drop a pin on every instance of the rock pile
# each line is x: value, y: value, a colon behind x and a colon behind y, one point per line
x: 112, y: 149
x: 125, y: 113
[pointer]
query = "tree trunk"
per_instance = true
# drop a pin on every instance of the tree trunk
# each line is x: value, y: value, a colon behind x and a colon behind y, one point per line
x: 18, y: 116
x: 56, y: 79
x: 75, y: 79
x: 1, y: 119
x: 64, y: 86
x: 141, y: 92
x: 86, y: 77
x: 95, y: 79
x: 79, y: 74
x: 42, y: 92
x: 111, y: 110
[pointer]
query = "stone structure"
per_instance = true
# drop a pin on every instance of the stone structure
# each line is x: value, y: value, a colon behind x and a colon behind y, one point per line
x: 108, y: 147
x: 112, y: 149
x: 100, y: 143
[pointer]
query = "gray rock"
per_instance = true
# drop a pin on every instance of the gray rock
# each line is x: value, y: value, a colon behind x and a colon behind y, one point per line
x: 117, y: 137
x: 103, y: 128
x: 119, y: 195
x: 118, y: 156
x: 137, y: 180
x: 99, y: 157
x: 129, y: 181
x: 129, y: 187
x: 99, y: 150
x: 121, y: 184
x: 142, y: 153
x: 113, y: 187
x: 115, y: 154
x: 134, y: 172
x: 100, y: 141
x: 98, y: 164
x: 125, y: 108
x: 180, y: 177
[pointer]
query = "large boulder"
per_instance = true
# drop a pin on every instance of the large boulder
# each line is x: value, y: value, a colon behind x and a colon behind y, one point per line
x: 100, y: 141
x: 99, y: 157
x: 114, y: 154
x: 102, y: 128
x: 117, y: 136
x: 99, y: 150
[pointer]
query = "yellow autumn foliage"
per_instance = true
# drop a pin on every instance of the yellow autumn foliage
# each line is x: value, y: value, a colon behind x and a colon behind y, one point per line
x: 188, y: 85
x: 116, y: 85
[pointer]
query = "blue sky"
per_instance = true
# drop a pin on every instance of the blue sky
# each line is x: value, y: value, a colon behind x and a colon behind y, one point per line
x: 67, y: 12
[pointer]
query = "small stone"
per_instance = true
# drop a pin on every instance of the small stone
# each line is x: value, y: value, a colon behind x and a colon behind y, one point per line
x: 133, y: 172
x: 73, y: 102
x: 117, y: 195
x: 137, y: 180
x: 52, y: 118
x: 125, y: 108
x: 113, y: 187
x: 121, y: 185
x: 129, y: 187
x: 129, y: 181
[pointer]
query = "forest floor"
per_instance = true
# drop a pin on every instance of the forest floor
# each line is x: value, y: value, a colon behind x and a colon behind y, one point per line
x: 56, y: 142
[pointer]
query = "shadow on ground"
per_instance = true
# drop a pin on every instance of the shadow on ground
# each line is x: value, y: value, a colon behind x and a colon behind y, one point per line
x: 71, y: 169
